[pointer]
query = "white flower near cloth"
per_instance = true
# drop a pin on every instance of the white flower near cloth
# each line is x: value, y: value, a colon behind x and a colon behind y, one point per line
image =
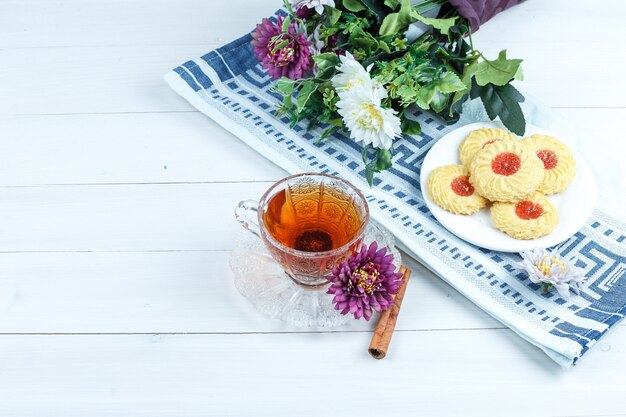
x: 366, y: 119
x: 351, y: 74
x: 552, y: 270
x: 318, y: 5
x: 360, y: 105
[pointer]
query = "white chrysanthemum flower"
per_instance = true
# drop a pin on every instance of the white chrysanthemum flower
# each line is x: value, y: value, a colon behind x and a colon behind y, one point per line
x: 351, y: 74
x: 367, y: 121
x: 318, y: 5
x: 552, y: 270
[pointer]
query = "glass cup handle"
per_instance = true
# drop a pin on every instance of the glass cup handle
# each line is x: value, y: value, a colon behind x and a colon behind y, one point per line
x: 242, y: 214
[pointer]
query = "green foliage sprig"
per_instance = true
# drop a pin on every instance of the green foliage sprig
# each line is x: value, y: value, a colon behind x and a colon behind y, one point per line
x: 437, y: 72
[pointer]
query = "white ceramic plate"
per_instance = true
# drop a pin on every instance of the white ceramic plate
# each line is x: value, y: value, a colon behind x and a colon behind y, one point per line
x: 574, y: 205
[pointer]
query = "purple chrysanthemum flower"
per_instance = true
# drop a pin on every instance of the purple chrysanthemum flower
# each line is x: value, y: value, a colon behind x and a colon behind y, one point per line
x: 365, y: 282
x: 283, y: 54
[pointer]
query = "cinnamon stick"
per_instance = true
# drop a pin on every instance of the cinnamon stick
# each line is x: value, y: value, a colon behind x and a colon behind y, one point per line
x: 387, y: 321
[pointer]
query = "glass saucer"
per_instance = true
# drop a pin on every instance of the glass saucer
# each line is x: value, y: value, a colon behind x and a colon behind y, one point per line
x: 263, y: 282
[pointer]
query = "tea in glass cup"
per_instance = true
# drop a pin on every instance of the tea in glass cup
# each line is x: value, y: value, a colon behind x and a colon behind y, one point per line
x: 309, y: 223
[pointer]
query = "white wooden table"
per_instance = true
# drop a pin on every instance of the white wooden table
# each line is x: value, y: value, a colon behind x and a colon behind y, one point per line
x: 116, y: 223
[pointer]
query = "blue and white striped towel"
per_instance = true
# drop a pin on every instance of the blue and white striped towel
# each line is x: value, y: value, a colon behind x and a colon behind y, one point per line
x: 229, y: 86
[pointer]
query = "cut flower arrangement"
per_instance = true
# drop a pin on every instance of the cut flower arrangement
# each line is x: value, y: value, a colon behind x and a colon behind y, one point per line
x: 364, y: 65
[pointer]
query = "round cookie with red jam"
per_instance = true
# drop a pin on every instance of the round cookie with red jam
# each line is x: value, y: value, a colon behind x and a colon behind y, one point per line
x: 530, y: 218
x: 506, y: 171
x: 479, y: 139
x: 449, y: 187
x: 558, y: 162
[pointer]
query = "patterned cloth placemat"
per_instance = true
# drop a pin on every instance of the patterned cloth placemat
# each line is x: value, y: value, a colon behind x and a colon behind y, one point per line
x: 229, y: 86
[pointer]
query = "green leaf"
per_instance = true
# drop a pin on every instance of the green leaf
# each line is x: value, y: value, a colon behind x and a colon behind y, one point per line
x: 475, y: 90
x: 288, y: 103
x: 284, y: 86
x: 450, y: 83
x: 498, y: 72
x: 288, y: 6
x: 383, y: 159
x: 378, y: 7
x: 381, y: 162
x: 326, y: 134
x: 424, y: 96
x: 336, y: 122
x: 410, y: 127
x: 364, y: 153
x: 439, y: 101
x: 354, y: 5
x: 361, y: 39
x: 326, y: 60
x: 455, y: 109
x: 333, y: 15
x: 468, y: 72
x: 406, y: 92
x: 442, y: 25
x: 308, y: 88
x: 519, y: 75
x: 369, y: 174
x: 503, y: 102
x: 392, y: 4
x: 286, y: 23
x: 457, y: 33
x: 325, y: 74
x: 397, y: 22
x: 382, y: 45
x: 382, y: 56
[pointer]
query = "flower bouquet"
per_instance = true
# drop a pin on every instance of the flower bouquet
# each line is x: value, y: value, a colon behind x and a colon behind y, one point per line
x: 367, y: 65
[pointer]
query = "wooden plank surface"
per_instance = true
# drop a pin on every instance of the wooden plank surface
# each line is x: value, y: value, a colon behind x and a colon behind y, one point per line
x: 126, y: 148
x: 128, y: 79
x: 68, y: 23
x: 426, y: 373
x: 175, y: 147
x: 79, y: 292
x: 116, y: 225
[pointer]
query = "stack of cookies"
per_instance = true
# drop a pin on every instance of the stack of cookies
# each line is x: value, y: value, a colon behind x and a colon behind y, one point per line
x: 510, y: 174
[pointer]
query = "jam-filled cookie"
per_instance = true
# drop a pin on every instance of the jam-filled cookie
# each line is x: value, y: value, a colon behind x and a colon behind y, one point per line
x: 479, y: 139
x: 506, y: 171
x: 558, y: 162
x: 529, y: 218
x: 450, y: 189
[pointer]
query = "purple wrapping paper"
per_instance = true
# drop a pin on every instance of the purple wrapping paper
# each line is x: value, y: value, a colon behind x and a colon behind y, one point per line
x: 478, y: 12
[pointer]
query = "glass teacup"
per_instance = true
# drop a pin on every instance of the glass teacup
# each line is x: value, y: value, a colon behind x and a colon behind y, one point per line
x: 309, y: 223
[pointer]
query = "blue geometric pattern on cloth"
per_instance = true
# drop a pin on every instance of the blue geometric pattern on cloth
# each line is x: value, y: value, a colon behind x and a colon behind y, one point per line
x: 229, y: 85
